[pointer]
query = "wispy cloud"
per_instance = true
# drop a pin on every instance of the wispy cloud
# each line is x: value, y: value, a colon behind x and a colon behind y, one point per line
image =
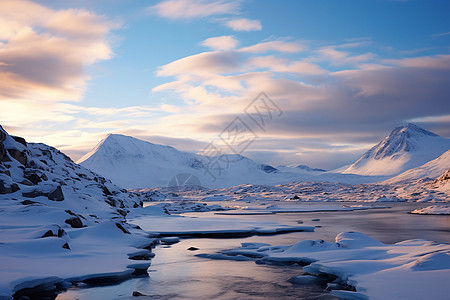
x: 278, y: 46
x: 225, y: 42
x: 244, y: 24
x: 189, y: 9
x: 441, y: 34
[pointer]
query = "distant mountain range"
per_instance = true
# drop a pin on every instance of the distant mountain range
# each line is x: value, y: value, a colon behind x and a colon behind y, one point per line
x: 132, y: 163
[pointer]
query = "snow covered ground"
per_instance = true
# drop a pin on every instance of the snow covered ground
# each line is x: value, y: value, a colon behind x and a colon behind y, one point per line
x: 433, y: 210
x: 160, y: 223
x: 62, y: 224
x: 357, y: 266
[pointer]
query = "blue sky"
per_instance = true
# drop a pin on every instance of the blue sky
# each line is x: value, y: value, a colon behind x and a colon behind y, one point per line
x: 178, y: 72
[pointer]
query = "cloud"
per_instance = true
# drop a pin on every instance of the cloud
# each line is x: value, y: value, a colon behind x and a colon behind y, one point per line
x: 345, y: 111
x: 188, y: 9
x: 244, y: 24
x: 282, y: 65
x: 43, y: 51
x: 226, y: 42
x: 202, y: 63
x: 342, y: 57
x: 277, y: 46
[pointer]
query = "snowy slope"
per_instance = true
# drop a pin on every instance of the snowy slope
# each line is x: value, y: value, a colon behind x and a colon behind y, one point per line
x: 59, y: 221
x: 406, y: 147
x: 133, y: 163
x: 431, y: 169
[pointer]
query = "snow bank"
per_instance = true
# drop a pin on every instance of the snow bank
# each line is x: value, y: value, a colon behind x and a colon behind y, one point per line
x: 360, y: 267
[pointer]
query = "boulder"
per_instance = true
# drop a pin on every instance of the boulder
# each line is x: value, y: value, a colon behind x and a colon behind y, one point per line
x: 21, y: 157
x: 34, y: 178
x: 8, y: 189
x: 74, y: 222
x: 33, y: 194
x: 19, y: 140
x: 56, y: 195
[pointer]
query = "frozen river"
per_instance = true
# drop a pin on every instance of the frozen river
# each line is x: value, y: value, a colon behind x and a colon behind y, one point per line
x: 177, y: 273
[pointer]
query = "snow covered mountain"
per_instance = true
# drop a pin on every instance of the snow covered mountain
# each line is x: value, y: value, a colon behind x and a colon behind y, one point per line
x: 299, y: 168
x: 133, y: 163
x: 406, y: 147
x: 431, y: 169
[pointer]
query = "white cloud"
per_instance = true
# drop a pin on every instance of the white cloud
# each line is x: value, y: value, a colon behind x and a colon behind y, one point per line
x: 44, y: 51
x: 244, y: 24
x: 226, y: 42
x: 278, y: 46
x: 202, y: 63
x: 188, y: 9
x: 282, y: 65
x: 342, y: 57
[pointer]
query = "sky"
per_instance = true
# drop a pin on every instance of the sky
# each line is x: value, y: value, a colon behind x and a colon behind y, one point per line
x: 337, y: 75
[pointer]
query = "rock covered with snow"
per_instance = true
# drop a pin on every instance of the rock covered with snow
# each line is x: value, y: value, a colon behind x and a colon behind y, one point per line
x: 60, y: 221
x: 442, y: 183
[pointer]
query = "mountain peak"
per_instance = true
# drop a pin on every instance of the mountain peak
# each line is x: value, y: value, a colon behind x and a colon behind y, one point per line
x: 411, y: 129
x: 406, y: 147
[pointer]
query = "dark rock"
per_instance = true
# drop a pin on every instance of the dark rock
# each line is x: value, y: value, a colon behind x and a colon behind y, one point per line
x: 5, y: 171
x: 48, y: 234
x: 66, y: 246
x: 33, y: 194
x: 2, y: 152
x: 21, y: 157
x: 138, y: 294
x: 193, y: 248
x: 26, y: 182
x: 19, y: 140
x: 29, y: 202
x: 71, y: 212
x: 122, y: 228
x: 14, y: 188
x: 295, y: 197
x: 122, y: 212
x: 61, y: 232
x: 56, y: 195
x: 75, y: 222
x: 143, y: 256
x: 106, y: 192
x: 111, y: 201
x: 34, y: 178
x: 135, y: 205
x: 7, y: 190
x: 2, y: 134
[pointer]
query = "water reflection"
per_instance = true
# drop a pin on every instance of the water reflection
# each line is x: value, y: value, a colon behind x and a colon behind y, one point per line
x: 177, y: 273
